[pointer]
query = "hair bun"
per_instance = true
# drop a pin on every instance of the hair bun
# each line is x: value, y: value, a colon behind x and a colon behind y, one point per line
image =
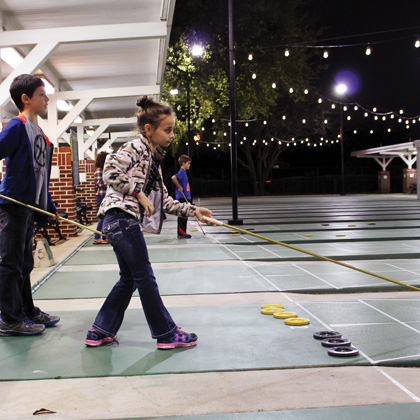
x: 145, y: 102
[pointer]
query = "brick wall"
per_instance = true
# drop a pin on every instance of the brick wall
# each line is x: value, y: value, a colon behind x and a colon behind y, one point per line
x: 86, y: 189
x: 62, y: 190
x: 409, y: 181
x: 384, y: 182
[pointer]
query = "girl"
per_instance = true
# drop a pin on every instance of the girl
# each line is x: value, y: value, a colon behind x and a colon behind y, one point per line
x: 100, y: 188
x: 136, y: 194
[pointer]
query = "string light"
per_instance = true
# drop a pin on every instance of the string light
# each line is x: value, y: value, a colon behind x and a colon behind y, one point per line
x: 417, y: 43
x: 368, y: 50
x: 250, y: 57
x: 325, y: 55
x: 287, y: 52
x: 407, y: 120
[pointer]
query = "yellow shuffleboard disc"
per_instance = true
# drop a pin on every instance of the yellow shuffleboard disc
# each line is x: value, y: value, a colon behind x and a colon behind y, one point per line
x: 279, y: 313
x: 297, y: 321
x: 284, y: 315
x: 272, y: 305
x: 269, y: 310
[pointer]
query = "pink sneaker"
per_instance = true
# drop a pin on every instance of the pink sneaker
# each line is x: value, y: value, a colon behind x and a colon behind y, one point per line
x: 95, y: 338
x: 177, y: 339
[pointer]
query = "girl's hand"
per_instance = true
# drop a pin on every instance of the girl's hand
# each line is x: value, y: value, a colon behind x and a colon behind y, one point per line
x: 146, y: 203
x: 202, y: 211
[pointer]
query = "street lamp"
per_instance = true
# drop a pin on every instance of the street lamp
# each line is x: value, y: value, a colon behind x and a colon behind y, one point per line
x: 340, y: 90
x: 196, y: 51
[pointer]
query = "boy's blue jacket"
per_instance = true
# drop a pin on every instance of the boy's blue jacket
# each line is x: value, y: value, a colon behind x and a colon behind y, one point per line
x: 19, y: 181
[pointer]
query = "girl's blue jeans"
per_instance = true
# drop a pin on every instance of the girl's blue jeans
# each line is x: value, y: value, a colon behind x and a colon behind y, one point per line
x: 124, y: 234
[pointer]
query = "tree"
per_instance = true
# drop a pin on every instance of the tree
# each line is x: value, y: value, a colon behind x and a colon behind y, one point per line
x: 267, y: 82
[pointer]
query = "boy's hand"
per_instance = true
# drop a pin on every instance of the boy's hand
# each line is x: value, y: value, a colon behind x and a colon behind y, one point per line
x: 181, y: 189
x: 202, y: 211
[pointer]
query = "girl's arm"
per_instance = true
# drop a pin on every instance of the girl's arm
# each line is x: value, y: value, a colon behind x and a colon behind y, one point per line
x: 117, y: 167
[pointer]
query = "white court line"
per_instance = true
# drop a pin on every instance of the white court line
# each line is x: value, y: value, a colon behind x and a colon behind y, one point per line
x: 91, y: 267
x: 266, y: 250
x: 317, y: 277
x: 389, y: 316
x: 272, y: 252
x: 109, y: 247
x: 404, y: 269
x: 285, y: 296
x: 397, y: 384
x: 360, y: 324
x: 327, y: 326
x: 399, y: 358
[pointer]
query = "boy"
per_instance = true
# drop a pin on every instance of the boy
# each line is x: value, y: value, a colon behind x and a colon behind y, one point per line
x: 182, y: 192
x: 28, y: 155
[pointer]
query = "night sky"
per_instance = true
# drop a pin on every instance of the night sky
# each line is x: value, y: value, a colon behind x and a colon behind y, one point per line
x: 390, y: 77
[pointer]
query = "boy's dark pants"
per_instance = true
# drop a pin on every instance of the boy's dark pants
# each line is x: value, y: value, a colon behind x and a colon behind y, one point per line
x: 16, y: 263
x: 182, y: 221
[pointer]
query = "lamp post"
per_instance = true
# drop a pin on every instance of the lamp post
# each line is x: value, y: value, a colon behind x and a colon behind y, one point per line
x: 232, y: 102
x: 196, y: 51
x: 340, y: 90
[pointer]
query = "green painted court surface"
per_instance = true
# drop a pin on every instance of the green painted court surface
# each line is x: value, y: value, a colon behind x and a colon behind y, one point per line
x: 380, y: 236
x: 374, y: 412
x: 385, y: 332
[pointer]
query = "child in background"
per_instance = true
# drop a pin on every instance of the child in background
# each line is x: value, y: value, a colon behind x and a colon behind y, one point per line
x: 136, y: 195
x: 182, y: 192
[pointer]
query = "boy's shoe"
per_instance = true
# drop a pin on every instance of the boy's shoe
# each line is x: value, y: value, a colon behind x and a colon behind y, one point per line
x: 95, y: 338
x: 26, y: 327
x: 186, y: 236
x: 178, y: 339
x: 45, y: 319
